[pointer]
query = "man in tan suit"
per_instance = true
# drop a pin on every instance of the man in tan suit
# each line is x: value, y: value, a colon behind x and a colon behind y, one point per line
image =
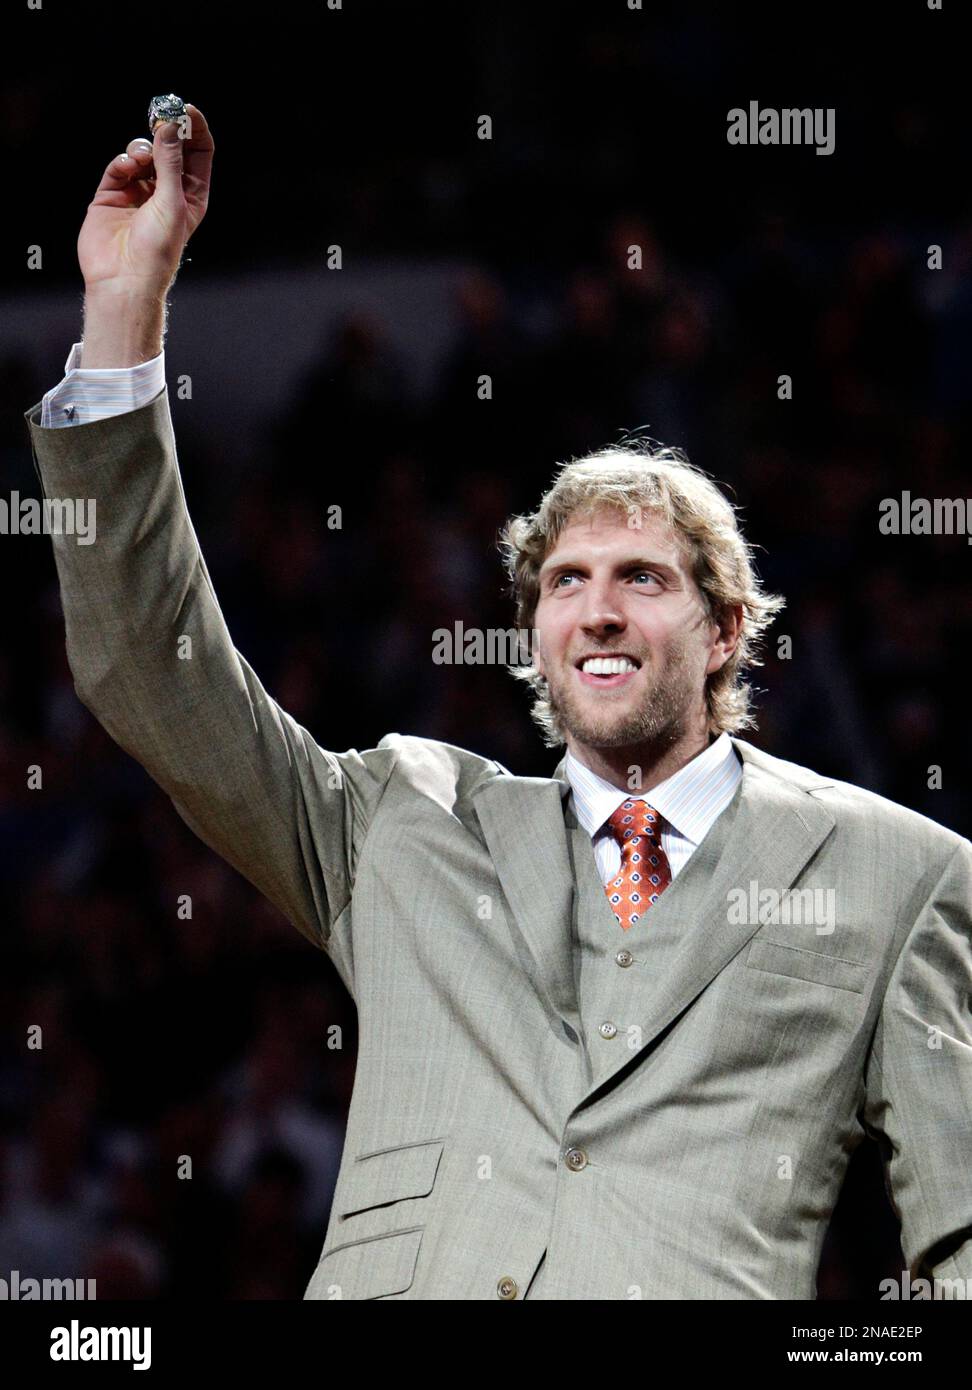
x: 620, y: 1029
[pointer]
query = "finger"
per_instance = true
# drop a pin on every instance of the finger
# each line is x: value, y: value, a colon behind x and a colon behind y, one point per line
x: 167, y: 158
x: 198, y: 147
x: 122, y: 170
x: 137, y: 159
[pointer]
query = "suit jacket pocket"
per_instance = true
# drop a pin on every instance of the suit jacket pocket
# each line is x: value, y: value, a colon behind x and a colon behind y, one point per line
x: 814, y: 966
x: 390, y: 1175
x: 375, y: 1267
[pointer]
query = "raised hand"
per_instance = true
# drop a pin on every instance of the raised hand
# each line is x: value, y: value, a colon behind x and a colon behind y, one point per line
x: 149, y: 202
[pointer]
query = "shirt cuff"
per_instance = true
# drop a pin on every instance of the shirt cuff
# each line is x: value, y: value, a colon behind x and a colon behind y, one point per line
x: 86, y: 394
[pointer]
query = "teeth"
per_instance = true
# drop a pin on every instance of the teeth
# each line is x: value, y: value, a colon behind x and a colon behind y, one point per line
x: 607, y: 665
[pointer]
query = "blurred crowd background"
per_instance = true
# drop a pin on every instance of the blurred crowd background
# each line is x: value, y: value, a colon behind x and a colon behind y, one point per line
x: 208, y: 1037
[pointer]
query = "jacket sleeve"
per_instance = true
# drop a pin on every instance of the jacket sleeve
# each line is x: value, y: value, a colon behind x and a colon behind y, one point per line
x: 152, y: 659
x: 919, y: 1080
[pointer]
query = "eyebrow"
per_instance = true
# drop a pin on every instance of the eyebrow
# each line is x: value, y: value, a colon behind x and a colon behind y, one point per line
x: 640, y: 562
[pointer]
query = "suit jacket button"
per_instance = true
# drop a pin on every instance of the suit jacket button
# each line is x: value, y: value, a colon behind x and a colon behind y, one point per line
x: 506, y: 1288
x: 608, y: 1030
x: 624, y: 958
x: 576, y: 1159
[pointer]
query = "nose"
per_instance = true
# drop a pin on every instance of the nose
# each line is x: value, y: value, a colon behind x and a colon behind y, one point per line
x: 603, y: 613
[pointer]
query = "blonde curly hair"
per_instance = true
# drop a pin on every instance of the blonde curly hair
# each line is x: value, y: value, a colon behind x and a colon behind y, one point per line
x: 633, y: 477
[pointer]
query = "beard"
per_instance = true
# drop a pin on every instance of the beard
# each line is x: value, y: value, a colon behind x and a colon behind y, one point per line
x: 658, y: 721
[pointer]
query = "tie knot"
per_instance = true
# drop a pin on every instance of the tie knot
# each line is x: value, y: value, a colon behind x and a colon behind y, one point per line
x: 635, y: 818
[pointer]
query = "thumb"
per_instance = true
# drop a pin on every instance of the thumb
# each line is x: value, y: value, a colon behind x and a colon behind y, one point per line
x: 167, y: 157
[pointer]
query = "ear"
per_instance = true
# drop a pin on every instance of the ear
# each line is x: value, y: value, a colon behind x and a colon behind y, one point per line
x: 536, y: 654
x: 726, y: 640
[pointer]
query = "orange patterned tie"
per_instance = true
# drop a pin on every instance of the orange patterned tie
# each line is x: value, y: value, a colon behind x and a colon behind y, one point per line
x: 645, y: 871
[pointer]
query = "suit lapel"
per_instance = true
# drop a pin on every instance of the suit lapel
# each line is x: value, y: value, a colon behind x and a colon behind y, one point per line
x: 522, y: 819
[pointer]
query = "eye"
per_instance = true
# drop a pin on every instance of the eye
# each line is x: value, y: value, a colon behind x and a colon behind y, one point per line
x: 645, y: 574
x: 567, y: 574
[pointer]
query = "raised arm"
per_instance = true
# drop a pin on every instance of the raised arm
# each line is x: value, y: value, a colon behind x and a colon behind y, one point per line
x: 147, y: 644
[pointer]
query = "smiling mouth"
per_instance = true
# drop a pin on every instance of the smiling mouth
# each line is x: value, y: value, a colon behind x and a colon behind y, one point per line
x: 607, y: 671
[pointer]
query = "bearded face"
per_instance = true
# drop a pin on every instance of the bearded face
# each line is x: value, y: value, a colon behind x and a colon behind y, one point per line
x: 623, y: 638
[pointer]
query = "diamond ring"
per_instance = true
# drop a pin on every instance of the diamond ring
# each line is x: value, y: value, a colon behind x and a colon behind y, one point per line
x: 167, y: 108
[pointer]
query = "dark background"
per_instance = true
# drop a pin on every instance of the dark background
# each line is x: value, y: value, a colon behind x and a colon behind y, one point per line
x: 358, y: 127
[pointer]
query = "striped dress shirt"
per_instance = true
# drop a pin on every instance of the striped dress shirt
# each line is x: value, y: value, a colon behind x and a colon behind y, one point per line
x: 689, y: 802
x: 93, y: 393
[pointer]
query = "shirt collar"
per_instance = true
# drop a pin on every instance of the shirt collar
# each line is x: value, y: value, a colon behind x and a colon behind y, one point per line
x: 690, y: 800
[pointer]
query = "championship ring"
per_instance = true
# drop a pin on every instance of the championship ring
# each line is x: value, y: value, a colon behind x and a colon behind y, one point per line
x: 167, y: 108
